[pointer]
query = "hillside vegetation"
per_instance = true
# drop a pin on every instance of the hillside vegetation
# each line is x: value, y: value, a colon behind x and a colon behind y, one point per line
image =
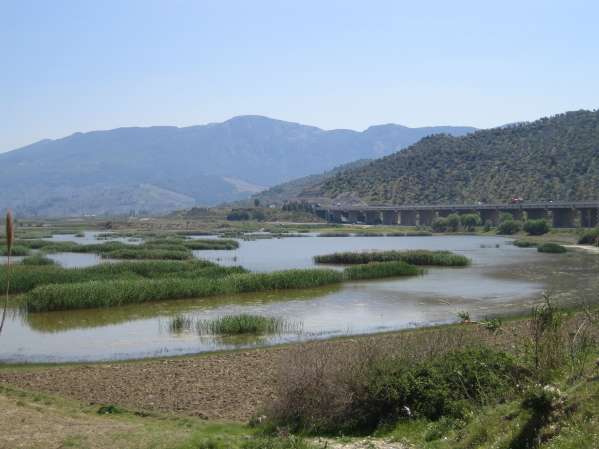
x: 554, y: 158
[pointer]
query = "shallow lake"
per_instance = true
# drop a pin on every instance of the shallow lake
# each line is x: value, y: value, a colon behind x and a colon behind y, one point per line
x: 494, y: 283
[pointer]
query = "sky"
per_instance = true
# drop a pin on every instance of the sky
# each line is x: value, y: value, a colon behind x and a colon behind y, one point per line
x: 82, y: 65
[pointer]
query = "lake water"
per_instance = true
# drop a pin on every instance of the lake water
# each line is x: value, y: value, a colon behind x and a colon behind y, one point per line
x: 494, y: 283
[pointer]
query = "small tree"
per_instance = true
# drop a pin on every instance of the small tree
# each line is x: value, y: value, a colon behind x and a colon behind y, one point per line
x: 453, y: 222
x: 470, y: 221
x: 505, y: 216
x: 439, y: 224
x: 256, y: 202
x: 536, y: 227
x: 509, y: 227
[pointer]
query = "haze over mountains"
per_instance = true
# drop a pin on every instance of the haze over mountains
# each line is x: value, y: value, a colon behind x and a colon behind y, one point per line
x: 158, y: 169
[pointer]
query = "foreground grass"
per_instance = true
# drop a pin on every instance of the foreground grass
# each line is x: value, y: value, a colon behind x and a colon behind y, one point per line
x: 416, y: 257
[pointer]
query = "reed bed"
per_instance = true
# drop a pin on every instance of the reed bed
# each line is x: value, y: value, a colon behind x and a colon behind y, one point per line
x: 334, y: 234
x: 553, y: 248
x: 417, y: 257
x: 211, y: 244
x: 378, y: 270
x: 37, y: 260
x: 28, y: 277
x: 525, y: 244
x: 16, y: 250
x: 108, y: 293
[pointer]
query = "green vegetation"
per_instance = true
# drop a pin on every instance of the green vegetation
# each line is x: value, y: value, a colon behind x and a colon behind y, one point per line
x: 334, y: 234
x: 536, y: 227
x: 421, y: 257
x: 173, y: 247
x: 532, y: 385
x: 16, y: 250
x: 109, y: 293
x: 551, y: 158
x: 28, y: 277
x: 509, y: 227
x: 470, y: 221
x: 37, y: 259
x: 378, y: 270
x: 525, y: 244
x: 241, y: 324
x: 590, y: 237
x: 551, y: 248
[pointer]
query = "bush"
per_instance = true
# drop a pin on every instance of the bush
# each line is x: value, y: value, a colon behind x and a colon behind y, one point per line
x: 453, y: 222
x: 369, y: 392
x: 509, y: 227
x: 37, y: 259
x: 551, y: 248
x: 536, y: 227
x: 470, y: 221
x: 440, y: 224
x: 590, y: 237
x: 525, y: 244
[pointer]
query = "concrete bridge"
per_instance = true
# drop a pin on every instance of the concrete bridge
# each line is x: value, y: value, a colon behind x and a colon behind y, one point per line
x: 563, y: 214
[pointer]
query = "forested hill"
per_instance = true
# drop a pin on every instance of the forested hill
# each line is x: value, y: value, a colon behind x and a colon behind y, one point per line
x: 554, y: 158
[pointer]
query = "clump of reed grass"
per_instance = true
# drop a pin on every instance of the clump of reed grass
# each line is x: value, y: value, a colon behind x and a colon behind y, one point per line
x: 334, y: 234
x: 377, y: 270
x: 242, y: 324
x: 525, y: 244
x: 211, y: 244
x: 551, y: 248
x: 15, y: 250
x: 37, y: 260
x: 416, y: 257
x: 110, y: 292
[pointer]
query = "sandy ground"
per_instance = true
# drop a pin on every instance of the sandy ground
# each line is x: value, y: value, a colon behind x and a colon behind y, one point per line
x: 587, y: 248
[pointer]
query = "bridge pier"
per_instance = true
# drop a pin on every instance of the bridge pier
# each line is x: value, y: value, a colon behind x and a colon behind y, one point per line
x: 372, y: 218
x: 426, y: 217
x: 564, y: 218
x: 334, y: 216
x: 407, y: 218
x: 490, y: 216
x: 390, y: 217
x: 536, y: 214
x: 589, y: 218
x: 353, y: 216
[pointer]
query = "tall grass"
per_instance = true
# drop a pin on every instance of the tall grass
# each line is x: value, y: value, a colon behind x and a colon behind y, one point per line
x: 26, y: 278
x: 379, y: 270
x: 10, y: 238
x: 551, y: 248
x: 37, y: 260
x: 242, y: 324
x: 108, y: 293
x: 419, y: 257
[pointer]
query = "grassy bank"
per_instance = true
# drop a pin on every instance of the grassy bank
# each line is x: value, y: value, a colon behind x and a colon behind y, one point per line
x: 530, y: 384
x: 421, y: 257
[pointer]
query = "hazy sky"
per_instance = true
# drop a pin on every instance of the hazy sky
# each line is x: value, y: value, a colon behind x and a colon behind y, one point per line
x: 80, y: 65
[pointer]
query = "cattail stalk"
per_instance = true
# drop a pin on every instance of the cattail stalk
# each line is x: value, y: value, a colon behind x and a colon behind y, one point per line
x: 10, y: 237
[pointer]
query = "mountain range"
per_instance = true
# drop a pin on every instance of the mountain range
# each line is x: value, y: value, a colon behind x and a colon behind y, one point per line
x: 162, y: 168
